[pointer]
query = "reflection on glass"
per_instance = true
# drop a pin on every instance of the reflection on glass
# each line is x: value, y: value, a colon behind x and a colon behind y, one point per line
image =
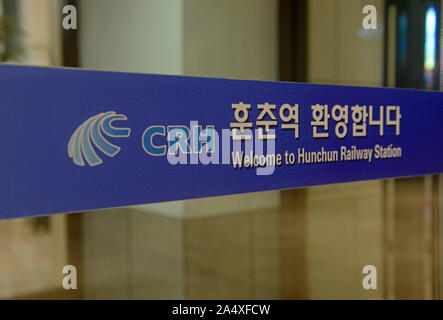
x: 402, y: 39
x: 430, y: 47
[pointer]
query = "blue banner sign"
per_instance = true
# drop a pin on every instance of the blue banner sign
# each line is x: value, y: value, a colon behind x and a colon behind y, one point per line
x: 75, y: 140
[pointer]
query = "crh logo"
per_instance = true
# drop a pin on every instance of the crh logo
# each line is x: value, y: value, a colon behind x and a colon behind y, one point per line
x: 91, y: 132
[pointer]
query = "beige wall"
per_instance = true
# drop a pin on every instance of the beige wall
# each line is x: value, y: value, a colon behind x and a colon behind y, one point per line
x: 40, y: 32
x: 345, y: 233
x: 344, y: 221
x: 32, y: 259
x: 119, y: 257
x: 231, y: 38
x: 340, y: 52
x: 172, y: 250
x: 144, y: 36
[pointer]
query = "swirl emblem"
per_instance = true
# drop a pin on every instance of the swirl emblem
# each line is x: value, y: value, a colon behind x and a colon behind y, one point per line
x: 92, y: 132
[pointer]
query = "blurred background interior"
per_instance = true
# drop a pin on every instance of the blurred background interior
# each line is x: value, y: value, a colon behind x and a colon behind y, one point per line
x: 308, y: 243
